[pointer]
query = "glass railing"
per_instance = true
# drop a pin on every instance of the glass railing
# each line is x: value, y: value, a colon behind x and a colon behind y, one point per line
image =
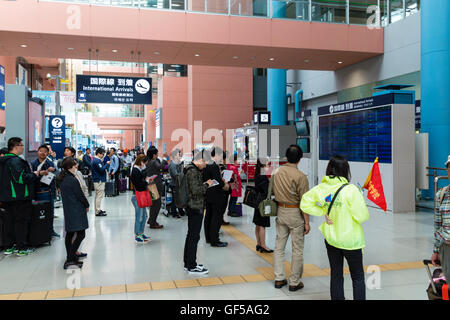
x: 333, y: 11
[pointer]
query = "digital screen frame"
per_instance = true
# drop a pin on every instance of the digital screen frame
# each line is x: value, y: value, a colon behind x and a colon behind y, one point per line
x: 359, y: 136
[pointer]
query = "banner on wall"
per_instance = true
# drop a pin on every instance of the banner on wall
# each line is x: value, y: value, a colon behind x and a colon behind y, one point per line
x: 108, y: 89
x: 68, y: 103
x: 158, y: 124
x: 57, y: 134
x: 2, y: 88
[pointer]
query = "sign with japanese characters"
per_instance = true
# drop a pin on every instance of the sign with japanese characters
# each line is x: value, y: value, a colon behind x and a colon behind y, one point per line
x: 108, y: 89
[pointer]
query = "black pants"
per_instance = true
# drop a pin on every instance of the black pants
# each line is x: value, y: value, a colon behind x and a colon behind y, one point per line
x: 154, y: 211
x: 213, y: 221
x: 224, y: 206
x: 355, y: 264
x: 195, y: 218
x: 116, y: 177
x: 16, y: 223
x: 73, y: 241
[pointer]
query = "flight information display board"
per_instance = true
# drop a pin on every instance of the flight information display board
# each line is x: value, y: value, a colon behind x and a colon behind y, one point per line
x: 359, y: 136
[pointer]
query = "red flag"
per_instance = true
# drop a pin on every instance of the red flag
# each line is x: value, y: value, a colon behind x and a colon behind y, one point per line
x: 375, y: 187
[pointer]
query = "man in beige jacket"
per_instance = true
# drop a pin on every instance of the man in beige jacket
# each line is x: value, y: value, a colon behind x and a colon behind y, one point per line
x: 289, y: 185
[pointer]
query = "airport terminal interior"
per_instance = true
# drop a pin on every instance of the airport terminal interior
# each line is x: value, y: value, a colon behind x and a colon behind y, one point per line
x: 367, y: 80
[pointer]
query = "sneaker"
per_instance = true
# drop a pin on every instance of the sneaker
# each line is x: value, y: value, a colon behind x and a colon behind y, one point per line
x: 145, y: 238
x: 198, y: 270
x: 30, y: 250
x: 10, y: 251
x: 198, y: 266
x: 22, y: 253
x: 139, y: 239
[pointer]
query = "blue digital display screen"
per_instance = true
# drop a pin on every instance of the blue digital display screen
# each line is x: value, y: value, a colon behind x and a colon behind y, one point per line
x: 359, y: 136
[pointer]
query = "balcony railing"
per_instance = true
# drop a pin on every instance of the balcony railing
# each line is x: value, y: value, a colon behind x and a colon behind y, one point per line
x: 360, y: 12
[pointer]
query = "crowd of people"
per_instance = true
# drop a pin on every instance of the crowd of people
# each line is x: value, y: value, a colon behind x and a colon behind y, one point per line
x: 207, y: 196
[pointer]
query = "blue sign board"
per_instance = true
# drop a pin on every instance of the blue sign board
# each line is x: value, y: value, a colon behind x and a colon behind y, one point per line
x: 108, y: 89
x: 57, y: 134
x: 418, y: 114
x: 2, y: 88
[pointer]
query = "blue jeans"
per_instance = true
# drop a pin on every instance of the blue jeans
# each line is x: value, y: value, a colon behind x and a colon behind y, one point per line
x: 141, y: 217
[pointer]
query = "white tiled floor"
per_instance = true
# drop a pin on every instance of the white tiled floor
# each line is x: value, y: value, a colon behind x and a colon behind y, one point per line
x: 114, y: 258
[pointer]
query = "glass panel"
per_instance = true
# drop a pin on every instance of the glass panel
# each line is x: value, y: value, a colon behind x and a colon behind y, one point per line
x: 157, y: 4
x: 412, y: 6
x: 260, y: 8
x: 396, y: 10
x: 221, y: 6
x: 241, y: 7
x: 196, y: 5
x: 298, y: 10
x: 177, y: 4
x: 384, y: 13
x: 329, y: 11
x: 358, y: 11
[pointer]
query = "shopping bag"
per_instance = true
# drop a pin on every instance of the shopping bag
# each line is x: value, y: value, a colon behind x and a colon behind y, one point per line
x: 144, y: 199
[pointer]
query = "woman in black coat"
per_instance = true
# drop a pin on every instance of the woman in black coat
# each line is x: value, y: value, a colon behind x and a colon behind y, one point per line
x: 75, y: 207
x: 262, y: 186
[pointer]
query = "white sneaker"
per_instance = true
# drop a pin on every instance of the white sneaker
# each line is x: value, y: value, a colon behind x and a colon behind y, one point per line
x: 198, y: 270
x: 199, y: 265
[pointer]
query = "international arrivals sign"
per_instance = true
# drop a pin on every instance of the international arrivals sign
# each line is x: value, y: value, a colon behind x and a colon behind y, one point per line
x: 119, y: 90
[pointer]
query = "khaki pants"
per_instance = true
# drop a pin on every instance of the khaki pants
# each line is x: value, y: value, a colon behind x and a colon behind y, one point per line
x: 99, y: 195
x: 289, y: 221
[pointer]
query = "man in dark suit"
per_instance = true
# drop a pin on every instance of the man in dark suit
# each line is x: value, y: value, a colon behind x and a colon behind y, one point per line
x: 214, y: 199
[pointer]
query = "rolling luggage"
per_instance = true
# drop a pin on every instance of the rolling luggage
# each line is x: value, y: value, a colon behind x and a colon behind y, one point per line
x: 41, y: 224
x: 110, y: 189
x: 438, y: 288
x: 123, y: 185
x: 239, y: 209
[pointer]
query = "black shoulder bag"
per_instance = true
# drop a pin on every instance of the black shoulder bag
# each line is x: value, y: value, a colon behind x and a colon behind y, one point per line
x: 335, y: 196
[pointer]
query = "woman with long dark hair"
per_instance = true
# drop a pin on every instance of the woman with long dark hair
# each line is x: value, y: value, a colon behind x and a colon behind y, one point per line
x: 343, y: 233
x: 75, y: 207
x: 262, y: 186
x: 140, y: 183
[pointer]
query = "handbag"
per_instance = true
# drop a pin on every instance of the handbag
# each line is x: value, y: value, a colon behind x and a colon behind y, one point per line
x: 268, y: 207
x: 144, y: 199
x: 252, y: 197
x: 153, y: 191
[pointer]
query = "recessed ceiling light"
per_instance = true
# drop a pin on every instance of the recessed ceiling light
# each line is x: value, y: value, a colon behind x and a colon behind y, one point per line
x: 23, y: 45
x: 197, y: 55
x: 306, y: 60
x: 272, y: 59
x: 340, y: 62
x: 156, y: 52
x: 235, y: 57
x: 114, y: 51
x: 69, y: 48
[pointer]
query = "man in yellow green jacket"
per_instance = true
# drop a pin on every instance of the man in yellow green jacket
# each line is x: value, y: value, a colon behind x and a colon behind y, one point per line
x: 344, y: 236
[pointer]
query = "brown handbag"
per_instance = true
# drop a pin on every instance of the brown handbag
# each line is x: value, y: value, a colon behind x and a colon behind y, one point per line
x: 153, y: 191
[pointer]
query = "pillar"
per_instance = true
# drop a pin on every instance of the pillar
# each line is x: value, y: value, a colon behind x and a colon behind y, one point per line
x: 276, y: 80
x: 435, y: 81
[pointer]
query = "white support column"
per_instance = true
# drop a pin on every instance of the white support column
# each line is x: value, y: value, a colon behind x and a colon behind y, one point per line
x: 347, y: 12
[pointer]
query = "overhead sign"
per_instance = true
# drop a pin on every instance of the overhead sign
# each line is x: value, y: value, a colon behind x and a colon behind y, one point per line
x: 357, y: 104
x: 2, y: 88
x: 57, y: 134
x: 107, y: 89
x: 261, y: 117
x: 418, y: 114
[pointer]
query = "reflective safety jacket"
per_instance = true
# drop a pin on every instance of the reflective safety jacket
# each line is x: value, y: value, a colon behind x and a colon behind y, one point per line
x: 348, y: 212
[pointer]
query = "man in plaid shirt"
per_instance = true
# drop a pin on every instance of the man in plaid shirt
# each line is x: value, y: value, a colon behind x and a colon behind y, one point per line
x: 441, y: 251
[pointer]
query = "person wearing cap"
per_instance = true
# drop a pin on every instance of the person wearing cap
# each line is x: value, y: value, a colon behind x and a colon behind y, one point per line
x: 441, y: 250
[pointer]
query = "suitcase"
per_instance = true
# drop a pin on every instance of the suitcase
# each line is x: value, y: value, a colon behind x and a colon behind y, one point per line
x: 41, y: 224
x: 239, y: 209
x: 123, y: 185
x: 110, y: 189
x: 438, y: 288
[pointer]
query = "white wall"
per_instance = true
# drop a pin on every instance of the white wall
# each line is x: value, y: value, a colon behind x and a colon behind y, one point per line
x: 402, y: 56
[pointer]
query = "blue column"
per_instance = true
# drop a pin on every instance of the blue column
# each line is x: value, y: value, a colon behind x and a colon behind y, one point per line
x: 435, y: 80
x: 276, y: 80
